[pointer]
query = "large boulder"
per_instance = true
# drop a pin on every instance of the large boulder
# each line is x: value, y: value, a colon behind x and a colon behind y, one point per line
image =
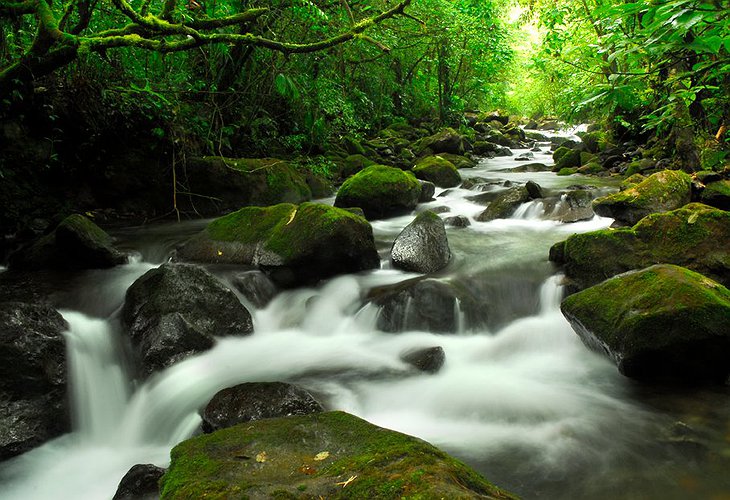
x: 660, y: 192
x: 380, y: 191
x: 293, y: 245
x: 446, y: 140
x: 353, y: 164
x: 422, y: 246
x: 663, y: 322
x: 438, y: 170
x: 573, y: 206
x: 427, y: 359
x: 76, y: 243
x: 426, y: 305
x: 33, y: 400
x: 254, y: 401
x: 324, y: 455
x: 459, y: 161
x: 223, y: 184
x: 175, y: 311
x: 695, y: 236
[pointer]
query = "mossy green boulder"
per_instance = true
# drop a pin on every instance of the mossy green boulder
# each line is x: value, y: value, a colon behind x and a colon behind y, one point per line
x: 294, y: 245
x: 446, y: 140
x: 717, y: 194
x: 566, y: 158
x: 661, y: 192
x: 663, y: 322
x: 438, y: 170
x: 380, y: 191
x: 353, y: 164
x: 459, y: 161
x: 505, y: 204
x: 696, y: 236
x: 330, y: 455
x: 76, y: 243
x: 222, y: 184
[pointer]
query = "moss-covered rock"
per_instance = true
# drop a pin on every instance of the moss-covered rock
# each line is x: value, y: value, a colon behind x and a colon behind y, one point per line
x: 294, y: 245
x: 717, y: 194
x: 695, y: 236
x: 485, y: 147
x: 663, y: 322
x: 446, y: 140
x: 352, y: 145
x: 591, y: 168
x: 559, y: 153
x: 567, y: 159
x: 438, y: 170
x: 596, y: 141
x: 76, y: 243
x: 330, y: 455
x: 567, y: 171
x: 380, y: 191
x: 459, y: 161
x: 353, y: 164
x: 222, y: 184
x: 660, y: 192
x: 505, y: 204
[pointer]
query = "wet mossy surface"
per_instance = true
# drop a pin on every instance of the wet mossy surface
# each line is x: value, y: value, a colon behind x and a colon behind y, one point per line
x: 438, y: 170
x: 695, y: 236
x: 325, y: 455
x: 664, y: 322
x: 380, y: 191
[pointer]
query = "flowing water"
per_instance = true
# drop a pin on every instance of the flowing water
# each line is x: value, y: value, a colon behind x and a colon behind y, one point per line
x: 519, y: 398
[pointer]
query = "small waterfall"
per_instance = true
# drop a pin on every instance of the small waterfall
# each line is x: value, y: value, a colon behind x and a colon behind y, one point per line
x: 551, y: 295
x: 532, y: 210
x: 98, y: 385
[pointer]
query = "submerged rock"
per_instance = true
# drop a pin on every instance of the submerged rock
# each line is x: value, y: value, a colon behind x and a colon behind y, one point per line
x: 254, y: 401
x: 660, y: 192
x: 663, y: 322
x: 505, y: 204
x: 33, y: 400
x: 695, y: 236
x: 175, y: 311
x: 438, y: 170
x: 422, y: 246
x: 330, y: 455
x: 380, y: 191
x: 77, y: 243
x: 428, y: 359
x: 293, y: 245
x: 140, y: 483
x: 427, y: 305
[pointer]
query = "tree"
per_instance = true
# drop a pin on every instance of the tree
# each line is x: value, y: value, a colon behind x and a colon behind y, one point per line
x: 65, y: 30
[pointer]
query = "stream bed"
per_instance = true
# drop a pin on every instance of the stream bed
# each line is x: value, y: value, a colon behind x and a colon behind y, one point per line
x: 519, y: 398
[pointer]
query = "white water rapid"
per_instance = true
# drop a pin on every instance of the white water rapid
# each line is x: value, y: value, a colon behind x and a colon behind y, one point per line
x: 521, y: 400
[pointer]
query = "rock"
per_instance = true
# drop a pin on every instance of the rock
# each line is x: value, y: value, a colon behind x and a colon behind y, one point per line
x: 428, y: 189
x: 429, y: 359
x: 446, y: 140
x: 525, y: 156
x: 380, y: 191
x: 438, y: 170
x: 531, y: 167
x: 255, y: 286
x: 140, y: 483
x: 293, y: 245
x: 76, y: 243
x: 503, y: 151
x: 457, y: 221
x: 717, y: 194
x: 352, y: 145
x: 424, y: 304
x: 596, y: 142
x: 459, y: 161
x: 33, y: 401
x: 536, y: 136
x: 534, y: 191
x: 574, y: 206
x: 313, y: 456
x: 422, y: 246
x: 660, y: 192
x: 566, y: 158
x: 232, y: 183
x: 254, y: 401
x: 505, y: 204
x: 485, y: 147
x: 174, y: 311
x: 476, y: 183
x: 663, y: 322
x: 695, y: 236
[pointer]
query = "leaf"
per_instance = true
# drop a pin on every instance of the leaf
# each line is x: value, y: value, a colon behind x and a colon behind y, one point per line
x: 322, y: 455
x: 261, y: 457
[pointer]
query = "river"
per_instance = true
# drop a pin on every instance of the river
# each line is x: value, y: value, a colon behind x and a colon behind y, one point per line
x: 520, y: 399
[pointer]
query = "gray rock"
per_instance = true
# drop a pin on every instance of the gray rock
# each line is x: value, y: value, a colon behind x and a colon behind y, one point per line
x: 428, y: 189
x: 505, y: 204
x: 254, y: 401
x: 422, y: 246
x: 429, y: 359
x: 457, y: 221
x: 140, y: 483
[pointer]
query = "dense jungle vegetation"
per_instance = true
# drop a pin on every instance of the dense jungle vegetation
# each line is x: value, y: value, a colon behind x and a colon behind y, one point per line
x: 91, y: 88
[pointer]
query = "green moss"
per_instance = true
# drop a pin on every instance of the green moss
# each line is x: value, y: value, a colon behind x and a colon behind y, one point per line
x: 82, y: 226
x: 354, y: 164
x: 459, y: 161
x: 378, y: 463
x: 571, y: 159
x: 250, y: 224
x: 559, y: 153
x: 438, y: 170
x: 586, y: 158
x: 567, y: 171
x: 379, y: 190
x: 591, y: 168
